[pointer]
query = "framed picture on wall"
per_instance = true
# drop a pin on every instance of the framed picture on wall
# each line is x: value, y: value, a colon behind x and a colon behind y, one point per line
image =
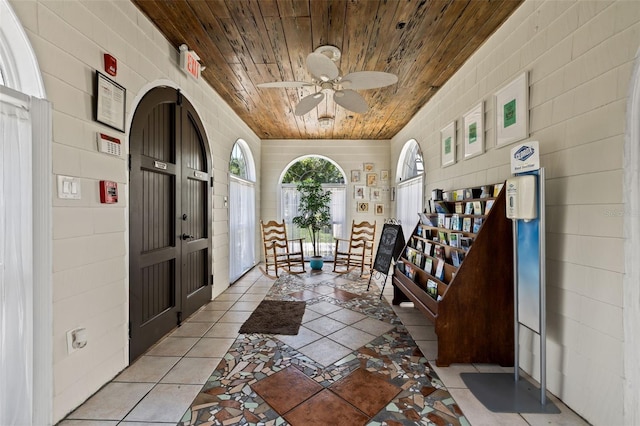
x: 368, y: 167
x: 375, y: 194
x: 372, y: 179
x: 362, y: 207
x: 379, y: 209
x: 384, y: 175
x: 448, y: 143
x: 111, y: 101
x: 392, y: 193
x: 355, y: 176
x: 512, y: 111
x: 473, y: 125
x: 359, y: 192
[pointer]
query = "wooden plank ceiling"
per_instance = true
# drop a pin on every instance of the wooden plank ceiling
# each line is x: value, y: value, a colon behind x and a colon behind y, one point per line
x: 246, y: 42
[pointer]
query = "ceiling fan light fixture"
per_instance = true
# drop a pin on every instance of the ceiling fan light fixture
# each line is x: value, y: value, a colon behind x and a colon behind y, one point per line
x: 331, y: 52
x: 325, y: 121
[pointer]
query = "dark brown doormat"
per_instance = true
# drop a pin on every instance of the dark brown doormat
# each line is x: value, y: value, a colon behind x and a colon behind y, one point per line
x: 275, y: 317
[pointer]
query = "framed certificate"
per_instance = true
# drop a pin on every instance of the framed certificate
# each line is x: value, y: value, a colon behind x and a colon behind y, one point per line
x: 111, y: 100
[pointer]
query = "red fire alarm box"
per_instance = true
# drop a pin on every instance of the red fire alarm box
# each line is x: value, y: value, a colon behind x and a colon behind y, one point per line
x: 110, y: 64
x: 108, y: 192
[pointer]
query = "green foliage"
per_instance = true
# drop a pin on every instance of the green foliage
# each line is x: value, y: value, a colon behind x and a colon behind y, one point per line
x: 313, y: 211
x: 318, y: 169
x: 237, y: 167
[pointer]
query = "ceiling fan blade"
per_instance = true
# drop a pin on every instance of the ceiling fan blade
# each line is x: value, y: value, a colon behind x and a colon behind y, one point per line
x: 368, y: 80
x: 308, y: 103
x: 353, y: 101
x: 321, y: 67
x: 284, y: 84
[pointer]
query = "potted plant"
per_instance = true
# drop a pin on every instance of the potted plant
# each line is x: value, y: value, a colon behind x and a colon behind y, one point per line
x: 313, y: 214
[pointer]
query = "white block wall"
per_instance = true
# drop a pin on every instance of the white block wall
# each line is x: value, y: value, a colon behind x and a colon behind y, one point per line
x: 90, y: 240
x: 579, y: 55
x: 349, y: 155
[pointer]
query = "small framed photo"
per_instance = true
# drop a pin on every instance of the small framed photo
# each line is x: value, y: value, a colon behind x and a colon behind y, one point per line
x: 372, y: 179
x: 362, y: 207
x: 392, y: 193
x: 367, y: 167
x: 111, y: 101
x: 448, y: 142
x: 384, y: 175
x: 376, y: 194
x: 355, y: 176
x: 379, y: 209
x: 359, y: 192
x: 473, y: 124
x: 512, y: 111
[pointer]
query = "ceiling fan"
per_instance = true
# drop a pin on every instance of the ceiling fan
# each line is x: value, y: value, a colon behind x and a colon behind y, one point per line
x: 326, y: 77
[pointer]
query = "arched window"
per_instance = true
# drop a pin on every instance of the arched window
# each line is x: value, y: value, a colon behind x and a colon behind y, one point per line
x: 242, y: 211
x: 409, y: 174
x: 333, y: 179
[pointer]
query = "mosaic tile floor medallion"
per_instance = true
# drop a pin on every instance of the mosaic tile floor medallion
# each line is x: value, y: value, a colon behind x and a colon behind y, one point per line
x: 372, y: 374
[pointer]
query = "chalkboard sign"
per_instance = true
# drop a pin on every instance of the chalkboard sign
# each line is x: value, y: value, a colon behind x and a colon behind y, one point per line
x: 389, y: 247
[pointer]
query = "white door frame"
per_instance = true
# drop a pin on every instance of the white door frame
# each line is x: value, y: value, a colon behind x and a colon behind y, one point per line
x: 631, y: 281
x: 22, y: 73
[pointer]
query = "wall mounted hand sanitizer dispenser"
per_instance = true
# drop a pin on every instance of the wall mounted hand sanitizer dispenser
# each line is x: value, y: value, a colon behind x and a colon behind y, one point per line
x: 522, y: 197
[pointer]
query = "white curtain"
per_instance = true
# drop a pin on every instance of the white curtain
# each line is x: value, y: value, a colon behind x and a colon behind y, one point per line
x: 408, y: 204
x: 16, y: 263
x: 242, y: 227
x: 290, y: 200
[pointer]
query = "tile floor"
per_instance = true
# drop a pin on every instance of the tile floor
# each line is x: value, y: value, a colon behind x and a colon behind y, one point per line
x: 355, y: 360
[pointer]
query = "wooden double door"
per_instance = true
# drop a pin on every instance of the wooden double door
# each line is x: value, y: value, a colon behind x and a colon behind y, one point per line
x: 170, y: 217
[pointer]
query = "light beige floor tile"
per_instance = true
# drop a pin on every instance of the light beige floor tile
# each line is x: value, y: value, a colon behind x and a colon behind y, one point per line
x: 165, y: 403
x: 325, y: 351
x: 147, y: 369
x: 324, y: 325
x: 310, y: 315
x: 235, y: 316
x: 206, y: 316
x: 112, y: 402
x: 190, y: 328
x: 89, y: 423
x: 373, y: 326
x: 144, y: 424
x: 450, y: 375
x: 324, y: 308
x: 209, y: 347
x: 324, y: 289
x: 222, y: 305
x: 303, y: 338
x: 422, y: 332
x: 351, y: 337
x: 224, y: 329
x: 192, y: 371
x: 429, y: 349
x: 251, y: 297
x: 566, y: 417
x: 242, y: 305
x: 478, y: 415
x: 228, y: 297
x: 236, y: 289
x: 259, y: 290
x: 346, y: 316
x: 492, y: 368
x: 173, y: 346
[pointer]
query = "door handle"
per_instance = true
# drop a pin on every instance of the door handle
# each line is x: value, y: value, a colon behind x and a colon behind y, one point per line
x: 187, y: 237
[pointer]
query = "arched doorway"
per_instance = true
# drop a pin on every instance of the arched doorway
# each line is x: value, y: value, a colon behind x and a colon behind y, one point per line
x: 25, y: 225
x: 242, y: 211
x: 169, y: 217
x: 332, y: 178
x: 409, y: 178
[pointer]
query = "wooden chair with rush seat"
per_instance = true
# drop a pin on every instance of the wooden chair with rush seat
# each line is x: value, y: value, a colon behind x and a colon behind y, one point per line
x: 279, y: 251
x: 357, y: 251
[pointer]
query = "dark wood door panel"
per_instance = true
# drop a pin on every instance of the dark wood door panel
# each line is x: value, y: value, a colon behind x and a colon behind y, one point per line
x: 170, y: 236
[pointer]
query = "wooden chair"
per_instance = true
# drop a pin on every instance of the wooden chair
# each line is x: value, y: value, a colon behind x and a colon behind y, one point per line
x: 279, y: 251
x: 357, y: 251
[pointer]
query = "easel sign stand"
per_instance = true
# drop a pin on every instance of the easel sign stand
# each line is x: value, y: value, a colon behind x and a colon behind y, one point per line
x: 389, y: 249
x: 525, y: 206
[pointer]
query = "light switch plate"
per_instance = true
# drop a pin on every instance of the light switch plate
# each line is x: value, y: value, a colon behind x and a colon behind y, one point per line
x: 69, y: 187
